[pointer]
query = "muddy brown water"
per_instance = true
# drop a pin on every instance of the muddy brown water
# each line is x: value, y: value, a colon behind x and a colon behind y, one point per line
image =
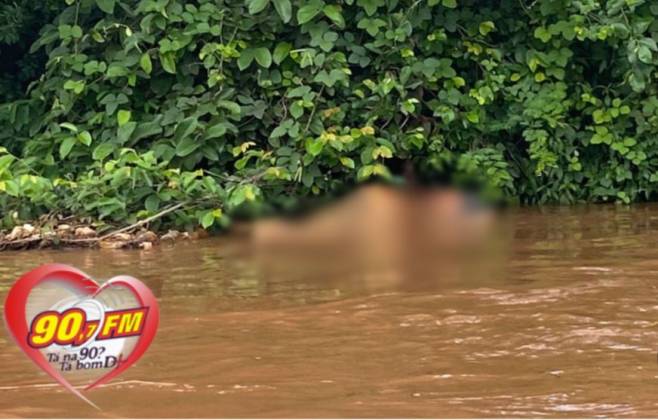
x: 567, y: 326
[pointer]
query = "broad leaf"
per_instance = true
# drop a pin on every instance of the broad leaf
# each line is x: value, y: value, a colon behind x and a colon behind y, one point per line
x: 263, y: 57
x: 66, y: 146
x: 309, y: 11
x: 106, y: 5
x: 284, y: 9
x: 256, y: 6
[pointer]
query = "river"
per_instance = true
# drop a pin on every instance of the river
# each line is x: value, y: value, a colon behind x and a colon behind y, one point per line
x: 558, y: 319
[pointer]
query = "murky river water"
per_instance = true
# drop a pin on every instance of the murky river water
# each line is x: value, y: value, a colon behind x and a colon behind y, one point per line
x: 566, y: 326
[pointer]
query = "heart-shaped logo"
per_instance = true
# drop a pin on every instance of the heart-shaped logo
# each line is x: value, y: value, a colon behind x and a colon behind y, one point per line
x: 77, y: 330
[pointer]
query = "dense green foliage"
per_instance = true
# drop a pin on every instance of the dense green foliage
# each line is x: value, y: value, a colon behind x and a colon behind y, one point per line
x: 20, y: 21
x: 221, y: 103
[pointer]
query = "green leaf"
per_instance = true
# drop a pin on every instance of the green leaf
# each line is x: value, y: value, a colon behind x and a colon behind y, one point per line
x: 76, y: 32
x: 124, y: 132
x: 365, y: 172
x: 168, y: 62
x: 106, y: 5
x: 152, y: 203
x: 185, y: 128
x: 263, y: 57
x: 314, y: 147
x: 449, y: 3
x: 331, y: 78
x: 278, y: 131
x: 102, y: 151
x: 245, y: 59
x: 64, y: 31
x: 281, y: 52
x: 333, y: 12
x: 66, y: 146
x: 256, y: 6
x: 186, y: 146
x: 12, y: 188
x: 637, y: 80
x: 145, y: 63
x: 370, y: 6
x: 239, y: 195
x: 85, y: 138
x: 298, y: 92
x: 217, y: 130
x: 486, y: 27
x: 72, y: 128
x: 284, y: 9
x: 207, y: 219
x: 347, y: 162
x: 5, y: 161
x: 123, y: 117
x: 371, y: 25
x: 309, y: 11
x: 296, y: 109
x: 147, y: 129
x: 543, y: 34
x: 232, y: 107
x: 644, y: 54
x: 76, y: 86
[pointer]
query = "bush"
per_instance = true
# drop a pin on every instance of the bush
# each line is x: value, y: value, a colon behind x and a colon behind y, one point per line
x: 222, y: 103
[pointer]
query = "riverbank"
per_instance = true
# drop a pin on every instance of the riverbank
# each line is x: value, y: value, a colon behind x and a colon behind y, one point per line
x: 70, y: 234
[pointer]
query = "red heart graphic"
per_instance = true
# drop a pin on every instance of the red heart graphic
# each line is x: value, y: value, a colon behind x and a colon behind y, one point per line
x: 15, y: 314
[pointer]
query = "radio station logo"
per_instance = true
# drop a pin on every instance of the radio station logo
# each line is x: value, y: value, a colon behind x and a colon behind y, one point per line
x: 79, y: 332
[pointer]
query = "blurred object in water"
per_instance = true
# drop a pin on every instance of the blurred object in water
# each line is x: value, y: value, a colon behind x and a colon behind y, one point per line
x: 407, y: 237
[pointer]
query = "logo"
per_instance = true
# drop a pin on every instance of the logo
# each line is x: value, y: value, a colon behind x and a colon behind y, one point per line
x: 77, y: 331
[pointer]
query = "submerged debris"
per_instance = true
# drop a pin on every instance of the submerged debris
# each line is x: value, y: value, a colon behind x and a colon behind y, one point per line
x: 146, y: 245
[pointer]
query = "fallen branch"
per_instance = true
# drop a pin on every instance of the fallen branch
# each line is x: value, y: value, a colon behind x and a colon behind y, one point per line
x: 143, y: 222
x: 18, y: 242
